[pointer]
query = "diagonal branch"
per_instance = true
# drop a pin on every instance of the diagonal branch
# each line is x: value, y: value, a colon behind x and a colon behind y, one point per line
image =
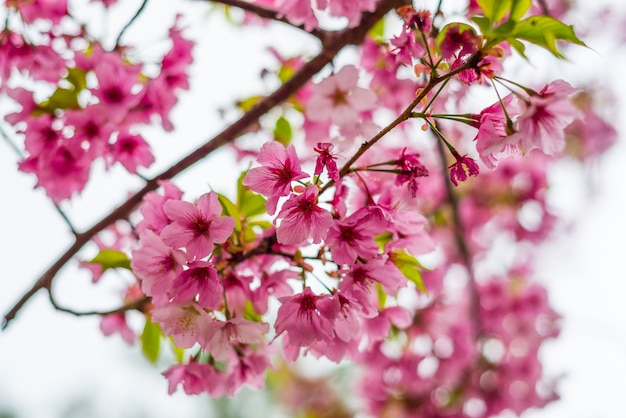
x: 335, y: 42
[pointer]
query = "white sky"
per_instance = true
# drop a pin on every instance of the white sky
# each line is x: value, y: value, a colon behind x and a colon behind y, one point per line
x: 50, y: 360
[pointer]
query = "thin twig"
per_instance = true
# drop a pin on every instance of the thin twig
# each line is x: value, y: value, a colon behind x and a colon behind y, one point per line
x: 334, y: 44
x: 137, y: 304
x: 130, y: 22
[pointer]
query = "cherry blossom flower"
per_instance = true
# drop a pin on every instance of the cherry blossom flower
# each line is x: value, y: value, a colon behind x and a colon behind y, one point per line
x: 116, y: 323
x: 302, y: 218
x: 186, y: 324
x: 354, y: 236
x: 201, y: 280
x: 462, y: 168
x: 154, y: 217
x: 340, y: 99
x: 196, y: 227
x: 412, y: 169
x: 279, y: 168
x: 222, y: 335
x: 156, y: 265
x: 326, y: 159
x: 194, y: 376
x: 541, y: 125
x: 131, y: 151
x: 306, y: 317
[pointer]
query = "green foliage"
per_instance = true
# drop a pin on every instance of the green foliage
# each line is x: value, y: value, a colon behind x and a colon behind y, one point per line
x: 231, y: 210
x: 62, y: 98
x: 378, y: 30
x: 249, y: 203
x: 247, y: 104
x: 151, y: 341
x: 545, y: 31
x: 410, y: 268
x: 542, y: 31
x: 282, y: 131
x: 110, y: 258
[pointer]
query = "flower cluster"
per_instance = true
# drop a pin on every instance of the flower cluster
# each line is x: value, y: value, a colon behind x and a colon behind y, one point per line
x: 338, y: 243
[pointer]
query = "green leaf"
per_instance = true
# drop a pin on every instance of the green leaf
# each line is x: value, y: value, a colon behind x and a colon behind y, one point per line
x: 247, y: 104
x: 151, y: 341
x: 111, y: 259
x: 383, y: 239
x: 519, y: 9
x: 250, y: 314
x: 60, y: 99
x: 410, y: 268
x: 378, y: 30
x: 77, y: 77
x: 483, y: 23
x: 230, y: 209
x: 495, y: 10
x: 249, y: 203
x: 545, y: 31
x: 282, y: 131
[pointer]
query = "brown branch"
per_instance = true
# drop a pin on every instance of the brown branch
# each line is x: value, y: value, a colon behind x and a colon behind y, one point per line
x: 137, y: 304
x: 270, y: 14
x: 335, y: 42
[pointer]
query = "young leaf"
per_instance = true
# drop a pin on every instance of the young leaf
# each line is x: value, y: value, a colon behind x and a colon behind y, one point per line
x: 519, y: 9
x: 282, y: 131
x: 151, y: 341
x: 545, y: 31
x: 231, y: 210
x: 111, y: 259
x: 409, y: 266
x: 495, y: 10
x: 249, y: 203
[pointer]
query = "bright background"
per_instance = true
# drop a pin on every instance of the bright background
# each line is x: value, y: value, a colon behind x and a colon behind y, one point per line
x: 55, y: 365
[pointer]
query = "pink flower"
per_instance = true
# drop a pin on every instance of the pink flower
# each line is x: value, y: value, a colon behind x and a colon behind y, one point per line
x: 412, y: 169
x: 302, y: 218
x: 131, y: 151
x: 306, y: 317
x: 201, y: 280
x: 354, y: 236
x: 298, y: 12
x: 156, y: 265
x: 221, y: 336
x: 61, y: 171
x: 195, y: 377
x: 186, y: 324
x: 32, y: 10
x: 543, y: 122
x: 463, y: 168
x: 117, y: 83
x: 197, y: 228
x: 112, y: 323
x: 279, y: 167
x: 326, y: 159
x: 154, y: 217
x: 340, y: 99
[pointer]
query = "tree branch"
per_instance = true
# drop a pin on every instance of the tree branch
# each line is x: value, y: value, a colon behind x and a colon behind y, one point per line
x: 335, y: 42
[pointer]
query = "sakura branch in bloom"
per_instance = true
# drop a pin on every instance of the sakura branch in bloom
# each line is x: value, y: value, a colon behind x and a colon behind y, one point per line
x: 326, y: 246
